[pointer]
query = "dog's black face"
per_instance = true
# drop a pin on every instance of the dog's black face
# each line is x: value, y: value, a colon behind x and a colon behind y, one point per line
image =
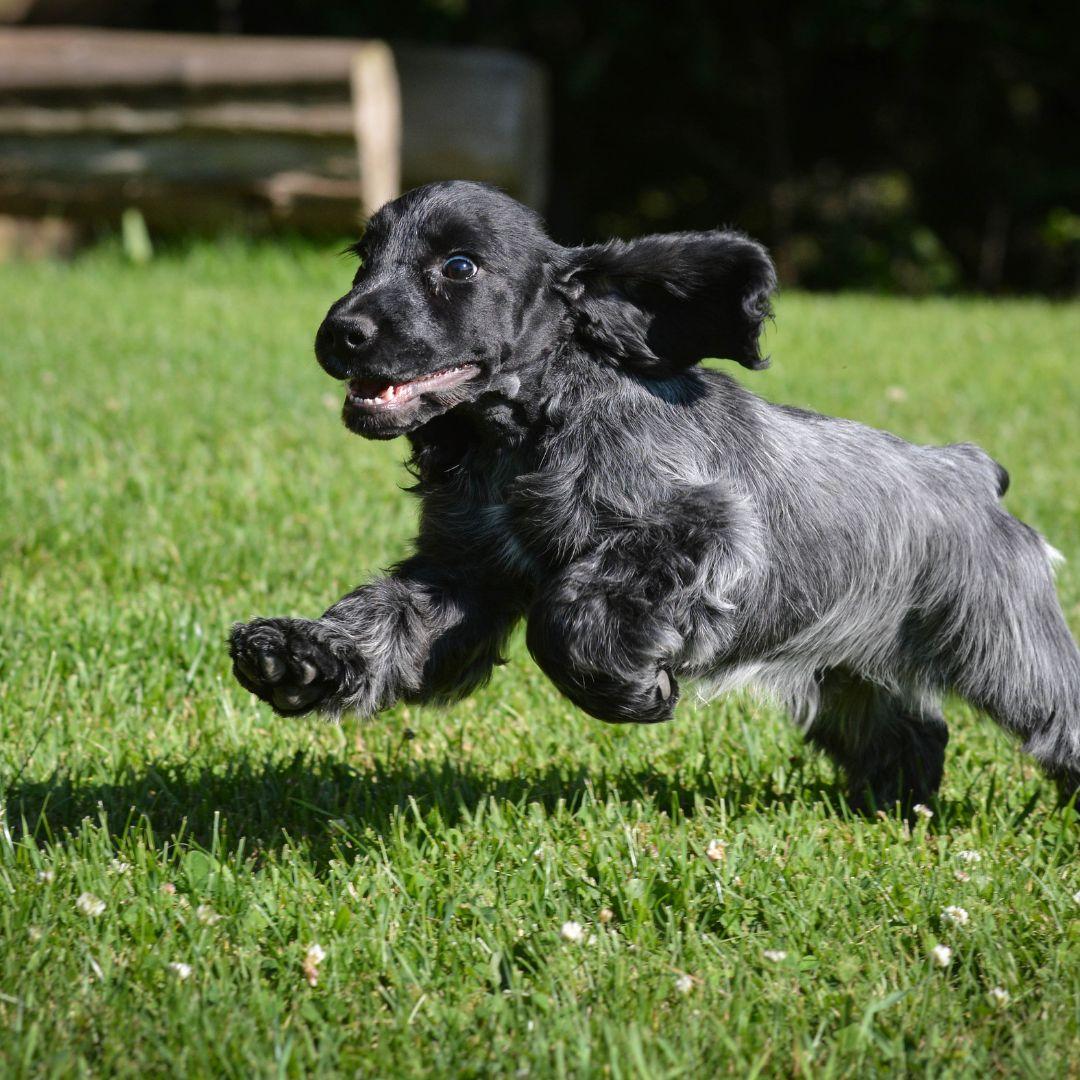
x: 461, y: 291
x: 453, y: 294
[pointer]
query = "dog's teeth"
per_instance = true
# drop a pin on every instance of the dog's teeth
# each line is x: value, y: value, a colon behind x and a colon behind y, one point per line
x: 377, y: 396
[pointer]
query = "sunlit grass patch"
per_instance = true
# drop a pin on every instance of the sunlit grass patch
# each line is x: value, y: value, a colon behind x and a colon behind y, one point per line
x: 190, y: 885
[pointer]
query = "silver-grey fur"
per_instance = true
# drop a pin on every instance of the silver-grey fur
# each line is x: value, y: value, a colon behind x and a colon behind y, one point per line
x: 653, y: 521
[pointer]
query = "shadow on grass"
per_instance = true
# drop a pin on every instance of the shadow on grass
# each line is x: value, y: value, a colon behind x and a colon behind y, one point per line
x: 269, y: 804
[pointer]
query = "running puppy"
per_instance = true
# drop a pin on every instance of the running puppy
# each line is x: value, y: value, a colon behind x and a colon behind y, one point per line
x: 653, y: 521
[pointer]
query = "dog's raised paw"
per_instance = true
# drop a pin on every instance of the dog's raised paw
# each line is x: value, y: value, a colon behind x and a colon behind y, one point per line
x: 283, y: 662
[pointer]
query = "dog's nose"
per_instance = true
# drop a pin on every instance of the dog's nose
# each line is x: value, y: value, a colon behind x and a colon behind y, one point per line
x: 350, y: 333
x: 341, y: 341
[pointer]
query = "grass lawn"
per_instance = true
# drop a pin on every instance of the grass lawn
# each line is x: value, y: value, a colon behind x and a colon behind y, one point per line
x: 171, y: 461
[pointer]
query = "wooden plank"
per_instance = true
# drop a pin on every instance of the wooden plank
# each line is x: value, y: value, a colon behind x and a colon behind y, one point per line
x: 298, y: 200
x: 279, y: 117
x: 33, y: 58
x: 195, y: 156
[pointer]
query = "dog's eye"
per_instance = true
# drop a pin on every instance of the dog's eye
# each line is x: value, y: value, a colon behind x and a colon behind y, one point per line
x: 459, y: 268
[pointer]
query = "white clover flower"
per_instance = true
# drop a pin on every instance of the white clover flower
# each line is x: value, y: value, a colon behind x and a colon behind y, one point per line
x: 923, y: 811
x: 775, y: 955
x: 969, y: 856
x: 716, y: 851
x: 606, y: 915
x: 999, y: 996
x: 958, y: 916
x: 314, y: 956
x: 941, y: 955
x: 46, y: 877
x: 684, y: 984
x: 961, y: 876
x: 207, y: 915
x: 89, y: 904
x: 118, y: 866
x: 168, y: 888
x: 572, y: 931
x: 181, y: 971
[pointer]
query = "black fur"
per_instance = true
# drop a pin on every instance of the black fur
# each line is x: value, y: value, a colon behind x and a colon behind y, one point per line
x: 653, y: 521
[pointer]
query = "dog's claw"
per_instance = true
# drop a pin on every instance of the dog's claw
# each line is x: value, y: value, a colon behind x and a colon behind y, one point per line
x: 308, y: 671
x: 663, y: 684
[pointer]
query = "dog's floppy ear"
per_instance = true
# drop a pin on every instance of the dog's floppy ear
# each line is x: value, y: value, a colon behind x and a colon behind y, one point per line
x: 662, y: 303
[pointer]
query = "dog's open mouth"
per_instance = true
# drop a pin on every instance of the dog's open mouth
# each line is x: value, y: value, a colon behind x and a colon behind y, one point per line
x: 377, y: 395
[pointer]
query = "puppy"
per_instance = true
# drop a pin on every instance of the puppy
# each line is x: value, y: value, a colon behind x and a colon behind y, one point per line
x: 652, y: 521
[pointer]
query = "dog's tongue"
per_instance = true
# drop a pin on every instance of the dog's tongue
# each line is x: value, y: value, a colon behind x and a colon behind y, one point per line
x: 370, y: 388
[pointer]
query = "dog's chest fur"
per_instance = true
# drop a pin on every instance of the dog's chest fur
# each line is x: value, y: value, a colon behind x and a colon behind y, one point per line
x: 468, y: 489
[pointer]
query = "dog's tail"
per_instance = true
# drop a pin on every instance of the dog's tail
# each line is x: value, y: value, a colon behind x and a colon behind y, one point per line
x: 972, y: 457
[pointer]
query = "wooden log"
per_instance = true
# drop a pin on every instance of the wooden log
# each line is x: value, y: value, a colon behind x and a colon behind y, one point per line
x: 307, y: 132
x: 478, y: 114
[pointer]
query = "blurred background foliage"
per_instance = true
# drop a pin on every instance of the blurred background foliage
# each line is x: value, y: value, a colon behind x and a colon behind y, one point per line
x: 906, y: 145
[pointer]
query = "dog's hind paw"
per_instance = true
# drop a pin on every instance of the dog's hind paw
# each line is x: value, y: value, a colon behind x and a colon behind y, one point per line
x: 287, y: 663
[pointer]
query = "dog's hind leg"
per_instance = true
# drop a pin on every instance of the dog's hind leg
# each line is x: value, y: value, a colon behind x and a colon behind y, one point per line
x: 1037, y: 696
x: 891, y: 749
x: 1010, y: 653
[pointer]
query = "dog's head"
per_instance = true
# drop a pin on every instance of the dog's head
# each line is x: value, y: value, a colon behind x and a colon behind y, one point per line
x: 460, y: 291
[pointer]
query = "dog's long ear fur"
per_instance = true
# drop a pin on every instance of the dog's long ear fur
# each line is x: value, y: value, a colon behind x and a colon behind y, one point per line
x: 661, y: 303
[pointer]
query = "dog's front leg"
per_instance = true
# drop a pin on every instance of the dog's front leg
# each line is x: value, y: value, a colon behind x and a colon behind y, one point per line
x: 603, y: 631
x: 640, y: 602
x: 423, y: 633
